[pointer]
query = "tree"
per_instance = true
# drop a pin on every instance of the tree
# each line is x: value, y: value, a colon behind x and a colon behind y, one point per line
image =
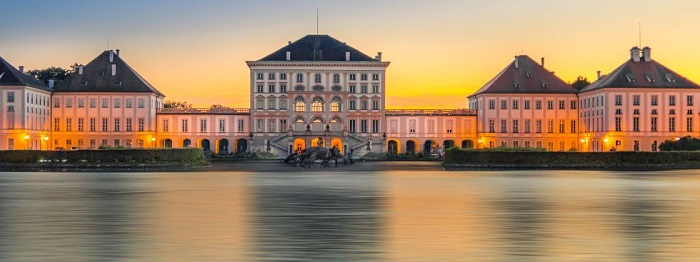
x: 581, y: 82
x: 177, y: 104
x: 55, y: 73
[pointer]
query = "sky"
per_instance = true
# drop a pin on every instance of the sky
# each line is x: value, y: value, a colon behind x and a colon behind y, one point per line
x: 440, y: 51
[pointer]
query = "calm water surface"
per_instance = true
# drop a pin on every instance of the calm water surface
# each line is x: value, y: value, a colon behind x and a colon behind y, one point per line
x: 416, y: 214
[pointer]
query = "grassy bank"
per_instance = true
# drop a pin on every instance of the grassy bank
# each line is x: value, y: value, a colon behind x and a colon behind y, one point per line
x: 482, y: 159
x: 102, y: 158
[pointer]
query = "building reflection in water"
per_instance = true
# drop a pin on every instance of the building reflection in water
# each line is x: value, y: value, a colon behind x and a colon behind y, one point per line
x: 318, y: 217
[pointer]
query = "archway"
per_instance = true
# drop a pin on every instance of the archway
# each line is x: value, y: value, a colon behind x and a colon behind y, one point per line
x: 410, y: 147
x: 447, y: 144
x: 467, y: 144
x: 168, y: 143
x: 299, y: 145
x: 428, y: 147
x: 186, y: 143
x: 205, y: 145
x: 241, y: 145
x: 393, y: 147
x: 318, y: 142
x: 337, y: 142
x: 223, y: 146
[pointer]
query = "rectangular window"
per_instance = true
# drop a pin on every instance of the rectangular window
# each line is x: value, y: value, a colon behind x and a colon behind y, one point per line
x: 515, y: 104
x: 636, y: 145
x: 56, y: 102
x: 57, y: 124
x: 562, y: 104
x: 492, y: 104
x: 93, y: 143
x: 336, y: 78
x: 492, y: 126
x: 515, y: 126
x: 352, y: 77
x: 572, y: 104
x: 283, y: 76
x: 271, y: 76
x: 363, y: 105
x: 129, y: 103
x: 105, y: 103
x: 69, y: 102
x: 352, y: 126
x: 527, y: 104
x: 128, y: 124
x: 618, y: 100
x: 283, y: 124
x: 184, y: 125
x: 550, y: 126
x: 504, y: 104
x: 317, y: 78
x: 503, y: 126
x: 283, y: 104
x: 635, y: 124
x: 363, y: 77
x: 352, y: 89
x: 375, y: 105
x: 375, y: 77
x: 81, y: 102
x: 259, y: 104
x: 93, y: 102
x: 654, y: 124
x: 11, y: 97
x: 283, y: 88
x: 654, y: 100
x: 117, y: 142
x: 141, y: 124
x: 363, y: 126
x: 241, y: 125
x: 538, y: 126
x: 116, y: 125
x: 363, y: 89
x: 618, y: 124
x: 672, y: 100
x: 271, y: 88
x: 527, y: 125
x: 104, y: 142
x: 271, y: 103
x: 141, y: 103
x: 375, y: 89
x: 166, y: 125
x: 635, y: 100
x: 562, y: 126
x: 202, y: 125
x: 538, y: 104
x: 117, y: 103
x: 411, y: 126
x: 259, y: 76
x: 222, y: 125
x: 69, y: 124
x: 672, y: 124
x: 93, y: 124
x: 375, y: 126
x: 105, y: 123
x: 300, y: 78
x: 689, y: 100
x: 550, y: 104
x: 81, y: 124
x: 260, y: 88
x: 689, y: 124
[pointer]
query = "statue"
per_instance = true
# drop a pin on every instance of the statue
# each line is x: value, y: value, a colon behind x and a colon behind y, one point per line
x: 308, y: 157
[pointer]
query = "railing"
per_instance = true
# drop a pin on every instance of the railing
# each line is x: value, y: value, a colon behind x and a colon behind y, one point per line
x: 433, y: 112
x: 216, y: 110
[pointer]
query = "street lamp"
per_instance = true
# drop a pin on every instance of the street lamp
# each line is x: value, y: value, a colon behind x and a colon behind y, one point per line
x: 153, y: 141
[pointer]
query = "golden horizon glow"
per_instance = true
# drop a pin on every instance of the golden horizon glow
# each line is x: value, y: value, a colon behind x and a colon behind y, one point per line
x: 439, y: 52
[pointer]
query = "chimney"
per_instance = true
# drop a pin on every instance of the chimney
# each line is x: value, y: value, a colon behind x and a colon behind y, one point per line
x: 51, y: 83
x: 378, y: 57
x: 117, y: 51
x: 21, y: 69
x: 646, y: 54
x: 347, y: 56
x: 598, y: 74
x: 543, y: 62
x: 289, y: 55
x: 289, y: 42
x: 114, y: 69
x: 80, y: 69
x: 634, y: 54
x: 516, y: 62
x: 111, y: 56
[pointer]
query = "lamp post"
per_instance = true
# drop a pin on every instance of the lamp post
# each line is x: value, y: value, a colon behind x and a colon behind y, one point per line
x: 250, y: 147
x: 384, y: 142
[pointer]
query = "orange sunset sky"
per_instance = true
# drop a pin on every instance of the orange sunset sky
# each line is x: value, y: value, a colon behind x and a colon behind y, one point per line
x: 440, y: 51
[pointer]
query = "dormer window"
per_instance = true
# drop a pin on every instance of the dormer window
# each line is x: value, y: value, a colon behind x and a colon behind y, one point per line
x: 516, y: 85
x: 630, y: 78
x: 650, y: 78
x: 670, y: 78
x: 544, y: 84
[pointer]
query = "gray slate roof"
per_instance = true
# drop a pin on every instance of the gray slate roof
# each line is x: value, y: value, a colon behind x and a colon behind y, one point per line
x: 97, y: 77
x: 10, y: 76
x: 317, y: 48
x: 642, y: 74
x: 529, y: 78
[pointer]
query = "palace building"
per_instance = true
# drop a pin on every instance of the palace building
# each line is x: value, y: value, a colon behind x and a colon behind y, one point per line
x: 319, y: 91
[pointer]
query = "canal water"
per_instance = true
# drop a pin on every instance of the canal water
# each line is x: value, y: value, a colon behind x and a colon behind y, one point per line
x: 404, y: 212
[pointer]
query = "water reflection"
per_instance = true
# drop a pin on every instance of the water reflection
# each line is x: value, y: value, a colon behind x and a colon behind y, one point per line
x: 319, y: 217
x: 363, y: 216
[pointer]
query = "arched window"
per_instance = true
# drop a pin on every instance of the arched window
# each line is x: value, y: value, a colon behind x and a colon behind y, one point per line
x: 335, y: 104
x: 299, y: 105
x: 299, y: 119
x: 299, y: 88
x: 317, y: 105
x: 317, y: 120
x: 336, y: 119
x: 318, y: 88
x: 337, y: 88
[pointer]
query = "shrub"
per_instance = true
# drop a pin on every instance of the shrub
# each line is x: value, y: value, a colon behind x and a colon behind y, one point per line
x: 182, y: 155
x: 590, y: 159
x: 684, y: 144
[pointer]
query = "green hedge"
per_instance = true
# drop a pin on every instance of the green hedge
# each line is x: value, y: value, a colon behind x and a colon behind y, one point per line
x: 176, y: 155
x: 571, y: 159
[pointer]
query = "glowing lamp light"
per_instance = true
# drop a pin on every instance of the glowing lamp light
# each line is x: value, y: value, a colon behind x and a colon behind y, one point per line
x: 479, y: 141
x: 153, y: 139
x: 46, y: 138
x: 605, y: 140
x: 583, y: 140
x: 678, y: 138
x: 26, y: 137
